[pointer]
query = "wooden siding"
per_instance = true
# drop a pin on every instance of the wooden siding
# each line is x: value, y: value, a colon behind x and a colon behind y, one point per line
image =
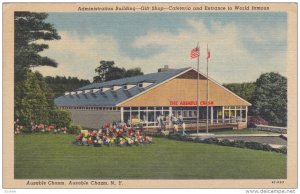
x: 182, y: 90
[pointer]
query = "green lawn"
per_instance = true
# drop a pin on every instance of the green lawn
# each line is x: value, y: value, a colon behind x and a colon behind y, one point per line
x: 54, y: 156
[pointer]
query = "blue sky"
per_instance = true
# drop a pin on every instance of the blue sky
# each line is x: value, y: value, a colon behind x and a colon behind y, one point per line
x: 243, y: 45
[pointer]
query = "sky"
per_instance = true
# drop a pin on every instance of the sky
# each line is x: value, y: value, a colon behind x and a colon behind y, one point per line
x: 242, y: 45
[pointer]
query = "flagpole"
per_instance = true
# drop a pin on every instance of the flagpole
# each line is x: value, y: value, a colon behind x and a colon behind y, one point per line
x: 198, y: 91
x: 207, y: 92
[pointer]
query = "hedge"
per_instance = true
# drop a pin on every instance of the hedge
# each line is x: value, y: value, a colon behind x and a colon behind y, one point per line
x: 225, y: 142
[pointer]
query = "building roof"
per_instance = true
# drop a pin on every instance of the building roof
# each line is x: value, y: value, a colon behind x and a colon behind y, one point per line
x: 112, y: 98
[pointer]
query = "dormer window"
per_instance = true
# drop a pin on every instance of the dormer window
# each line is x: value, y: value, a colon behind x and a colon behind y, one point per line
x: 72, y: 93
x: 86, y: 91
x: 79, y: 92
x: 128, y: 86
x: 144, y: 84
x: 114, y: 88
x: 95, y: 90
x: 104, y: 89
x: 67, y: 93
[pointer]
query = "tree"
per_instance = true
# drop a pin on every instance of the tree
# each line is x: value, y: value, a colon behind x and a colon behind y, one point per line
x: 60, y: 84
x: 108, y: 71
x: 134, y: 72
x: 29, y: 28
x: 34, y: 99
x: 244, y: 90
x: 270, y: 98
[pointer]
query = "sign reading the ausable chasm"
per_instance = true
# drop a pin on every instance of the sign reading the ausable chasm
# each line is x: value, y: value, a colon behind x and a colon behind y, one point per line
x: 149, y: 95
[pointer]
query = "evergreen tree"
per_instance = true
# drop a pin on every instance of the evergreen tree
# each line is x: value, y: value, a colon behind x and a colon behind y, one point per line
x: 29, y: 28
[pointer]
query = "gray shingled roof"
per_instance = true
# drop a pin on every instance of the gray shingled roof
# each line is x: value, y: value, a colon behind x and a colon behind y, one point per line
x: 111, y: 98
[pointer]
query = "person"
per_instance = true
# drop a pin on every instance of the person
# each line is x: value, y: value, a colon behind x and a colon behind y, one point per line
x: 183, y: 129
x: 168, y: 122
x: 163, y: 122
x: 159, y: 121
x: 175, y: 128
x: 180, y: 119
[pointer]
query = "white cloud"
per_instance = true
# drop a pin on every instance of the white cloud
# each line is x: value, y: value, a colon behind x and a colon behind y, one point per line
x: 230, y: 62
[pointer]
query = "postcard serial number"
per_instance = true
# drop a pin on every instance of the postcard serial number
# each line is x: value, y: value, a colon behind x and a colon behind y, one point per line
x: 278, y: 182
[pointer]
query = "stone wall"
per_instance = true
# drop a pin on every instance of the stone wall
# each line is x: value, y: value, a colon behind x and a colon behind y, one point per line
x: 94, y: 118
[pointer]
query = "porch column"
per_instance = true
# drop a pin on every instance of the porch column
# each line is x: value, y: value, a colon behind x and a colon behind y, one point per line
x: 170, y: 111
x: 211, y: 114
x: 147, y: 117
x: 235, y: 112
x: 223, y: 121
x: 130, y: 116
x: 139, y: 114
x: 122, y: 114
x: 246, y: 113
x: 217, y: 114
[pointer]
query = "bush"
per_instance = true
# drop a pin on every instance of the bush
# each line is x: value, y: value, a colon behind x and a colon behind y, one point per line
x: 211, y: 141
x: 254, y: 145
x: 267, y: 147
x: 226, y: 142
x: 256, y: 120
x: 74, y: 129
x: 60, y: 118
x: 239, y: 144
x: 281, y: 150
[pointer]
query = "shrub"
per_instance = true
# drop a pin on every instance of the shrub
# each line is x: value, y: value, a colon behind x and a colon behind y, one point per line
x: 74, y: 129
x: 267, y: 147
x: 225, y: 142
x: 256, y: 120
x: 60, y: 118
x: 239, y: 144
x: 254, y: 145
x: 282, y: 150
x: 211, y: 140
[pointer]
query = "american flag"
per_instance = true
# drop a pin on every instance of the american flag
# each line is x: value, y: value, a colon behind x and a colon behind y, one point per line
x: 195, y: 53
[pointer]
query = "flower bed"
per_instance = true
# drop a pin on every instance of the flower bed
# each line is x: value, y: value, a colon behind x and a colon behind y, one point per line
x: 40, y: 128
x: 112, y: 135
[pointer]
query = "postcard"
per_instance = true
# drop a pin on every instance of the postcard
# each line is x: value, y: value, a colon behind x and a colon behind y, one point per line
x: 150, y: 95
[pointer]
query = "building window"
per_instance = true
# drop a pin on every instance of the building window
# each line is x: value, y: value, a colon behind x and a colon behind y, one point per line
x: 191, y: 113
x: 185, y: 113
x: 244, y: 115
x: 126, y: 117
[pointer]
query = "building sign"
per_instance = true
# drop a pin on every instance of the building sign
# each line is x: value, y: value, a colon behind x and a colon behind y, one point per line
x: 190, y: 103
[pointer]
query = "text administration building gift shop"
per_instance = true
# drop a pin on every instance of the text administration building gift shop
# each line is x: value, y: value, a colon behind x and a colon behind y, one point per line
x: 145, y: 98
